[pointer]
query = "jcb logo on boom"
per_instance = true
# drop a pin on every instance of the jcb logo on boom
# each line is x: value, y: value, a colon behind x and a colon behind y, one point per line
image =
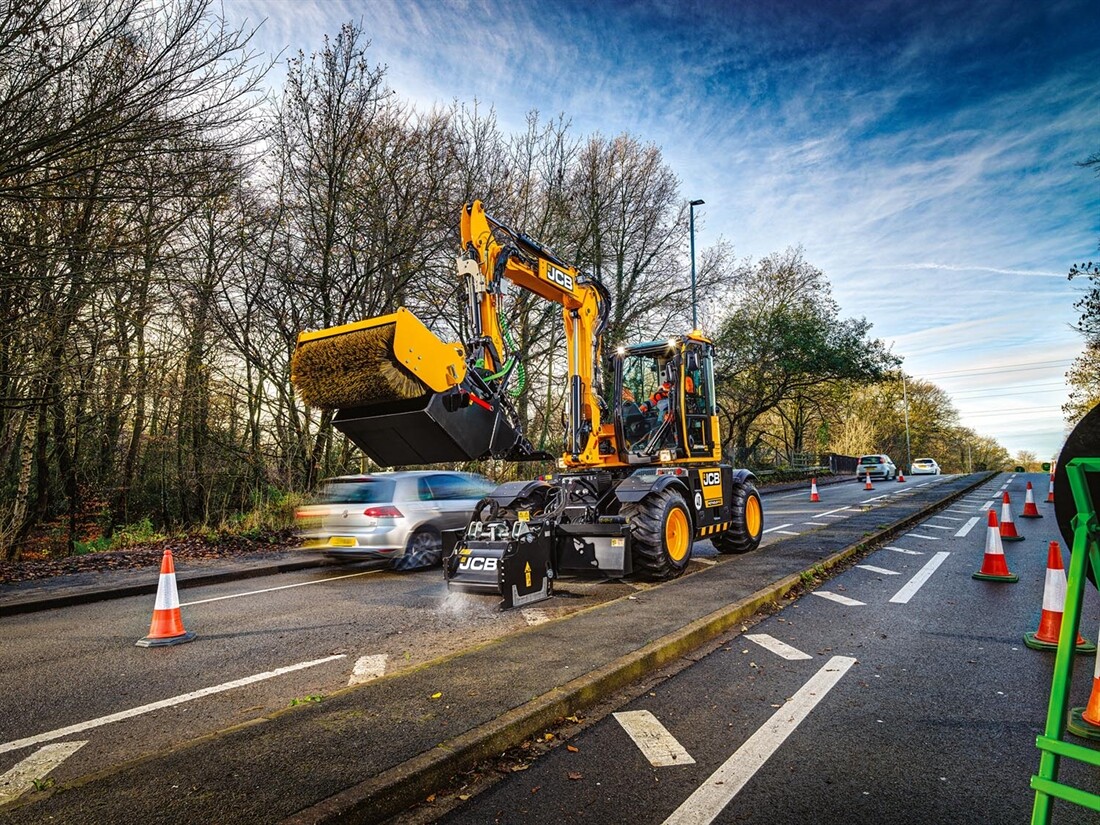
x: 476, y: 563
x: 558, y: 277
x: 712, y: 478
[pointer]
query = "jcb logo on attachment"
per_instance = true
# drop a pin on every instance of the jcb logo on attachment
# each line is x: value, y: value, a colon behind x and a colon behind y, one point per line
x: 477, y: 563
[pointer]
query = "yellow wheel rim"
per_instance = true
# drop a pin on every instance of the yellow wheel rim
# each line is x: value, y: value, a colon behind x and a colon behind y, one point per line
x: 677, y: 535
x: 754, y: 516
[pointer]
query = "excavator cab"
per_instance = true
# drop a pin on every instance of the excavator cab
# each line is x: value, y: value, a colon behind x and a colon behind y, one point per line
x: 664, y: 400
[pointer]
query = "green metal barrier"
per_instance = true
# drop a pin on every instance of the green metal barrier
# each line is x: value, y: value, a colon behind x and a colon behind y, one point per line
x: 1052, y: 746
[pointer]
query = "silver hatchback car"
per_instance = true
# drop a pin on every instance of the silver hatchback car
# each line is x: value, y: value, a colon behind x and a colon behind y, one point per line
x: 400, y: 516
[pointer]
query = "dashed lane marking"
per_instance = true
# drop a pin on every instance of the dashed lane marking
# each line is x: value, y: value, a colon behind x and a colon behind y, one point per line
x: 921, y: 536
x: 987, y: 505
x: 950, y: 518
x: 914, y: 584
x: 368, y: 668
x: 937, y: 526
x: 966, y: 528
x: 881, y: 570
x: 906, y: 552
x: 653, y: 739
x: 776, y: 528
x: 280, y: 587
x: 789, y: 532
x: 777, y: 647
x: 21, y: 778
x: 836, y: 597
x: 837, y: 510
x: 163, y: 703
x: 710, y: 798
x: 817, y: 523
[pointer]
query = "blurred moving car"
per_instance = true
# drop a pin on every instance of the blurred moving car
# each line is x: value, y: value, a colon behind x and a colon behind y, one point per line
x: 879, y: 466
x: 398, y: 515
x: 924, y: 466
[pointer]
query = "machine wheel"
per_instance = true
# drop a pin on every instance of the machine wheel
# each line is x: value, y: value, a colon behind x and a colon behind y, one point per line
x: 747, y: 525
x: 423, y: 549
x: 661, y: 534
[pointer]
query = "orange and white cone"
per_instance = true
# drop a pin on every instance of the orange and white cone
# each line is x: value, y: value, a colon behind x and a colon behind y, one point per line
x: 901, y: 477
x: 167, y: 625
x: 994, y: 567
x: 1008, y: 526
x: 1054, y: 605
x: 1050, y: 490
x: 813, y: 490
x: 1085, y: 722
x: 868, y: 485
x: 1030, y: 510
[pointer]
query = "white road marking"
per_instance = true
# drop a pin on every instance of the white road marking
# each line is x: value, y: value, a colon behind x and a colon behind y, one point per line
x: 987, y: 505
x: 914, y: 584
x: 281, y: 587
x: 794, y: 495
x: 653, y: 740
x: 700, y: 559
x: 20, y: 779
x: 881, y: 570
x: 817, y: 523
x: 368, y: 668
x: 163, y: 703
x: 710, y: 798
x: 959, y: 509
x: 777, y: 647
x: 837, y: 510
x: 920, y: 536
x: 906, y: 552
x: 836, y: 597
x: 789, y: 532
x: 777, y: 527
x: 966, y: 528
x: 536, y: 615
x: 937, y: 526
x: 950, y: 518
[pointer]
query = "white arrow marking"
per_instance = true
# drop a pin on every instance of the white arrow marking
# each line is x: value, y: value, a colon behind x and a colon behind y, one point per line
x: 20, y: 779
x: 368, y: 668
x: 163, y: 703
x: 777, y: 647
x: 703, y: 806
x: 653, y: 740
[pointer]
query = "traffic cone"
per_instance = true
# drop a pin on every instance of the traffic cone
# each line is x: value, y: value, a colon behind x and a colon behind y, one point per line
x: 1054, y: 605
x: 813, y: 490
x: 1008, y: 526
x: 994, y: 567
x: 167, y: 625
x: 901, y: 477
x: 868, y: 486
x: 1085, y: 722
x: 1030, y: 510
x: 1050, y: 490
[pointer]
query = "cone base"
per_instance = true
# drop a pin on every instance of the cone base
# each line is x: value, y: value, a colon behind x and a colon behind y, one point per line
x: 1079, y: 727
x: 1031, y: 515
x: 1035, y: 643
x: 989, y: 577
x: 1012, y: 538
x: 164, y: 642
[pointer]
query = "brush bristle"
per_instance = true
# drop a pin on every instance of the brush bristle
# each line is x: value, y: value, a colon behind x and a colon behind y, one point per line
x: 356, y: 369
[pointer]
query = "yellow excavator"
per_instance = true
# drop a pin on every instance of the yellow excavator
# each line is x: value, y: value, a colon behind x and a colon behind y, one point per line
x: 641, y: 474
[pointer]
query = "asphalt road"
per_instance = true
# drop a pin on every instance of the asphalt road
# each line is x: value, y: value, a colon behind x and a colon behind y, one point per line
x: 921, y: 704
x: 265, y: 644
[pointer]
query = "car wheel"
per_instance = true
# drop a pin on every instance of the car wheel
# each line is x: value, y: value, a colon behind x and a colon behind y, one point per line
x: 423, y: 549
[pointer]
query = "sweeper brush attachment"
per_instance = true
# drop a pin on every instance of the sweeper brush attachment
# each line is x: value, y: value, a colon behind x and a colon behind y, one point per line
x: 381, y: 360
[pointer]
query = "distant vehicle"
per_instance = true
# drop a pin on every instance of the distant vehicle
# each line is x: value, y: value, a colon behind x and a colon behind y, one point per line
x: 400, y: 516
x: 879, y: 466
x: 924, y: 466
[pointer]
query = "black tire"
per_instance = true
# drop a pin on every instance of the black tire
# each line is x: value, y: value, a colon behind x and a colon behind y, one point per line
x: 747, y: 521
x: 655, y: 521
x: 423, y: 549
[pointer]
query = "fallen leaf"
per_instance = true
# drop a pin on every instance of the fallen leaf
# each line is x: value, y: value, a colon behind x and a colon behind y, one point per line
x: 571, y: 749
x: 436, y: 695
x: 518, y: 768
x: 574, y: 719
x: 430, y: 798
x: 464, y: 796
x: 536, y: 789
x: 546, y: 737
x: 575, y: 775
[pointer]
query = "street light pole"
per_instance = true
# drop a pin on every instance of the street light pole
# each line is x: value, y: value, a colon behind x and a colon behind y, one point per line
x: 905, y: 400
x: 691, y: 232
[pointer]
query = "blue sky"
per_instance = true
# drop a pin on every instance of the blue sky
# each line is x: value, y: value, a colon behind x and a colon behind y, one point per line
x: 923, y: 154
